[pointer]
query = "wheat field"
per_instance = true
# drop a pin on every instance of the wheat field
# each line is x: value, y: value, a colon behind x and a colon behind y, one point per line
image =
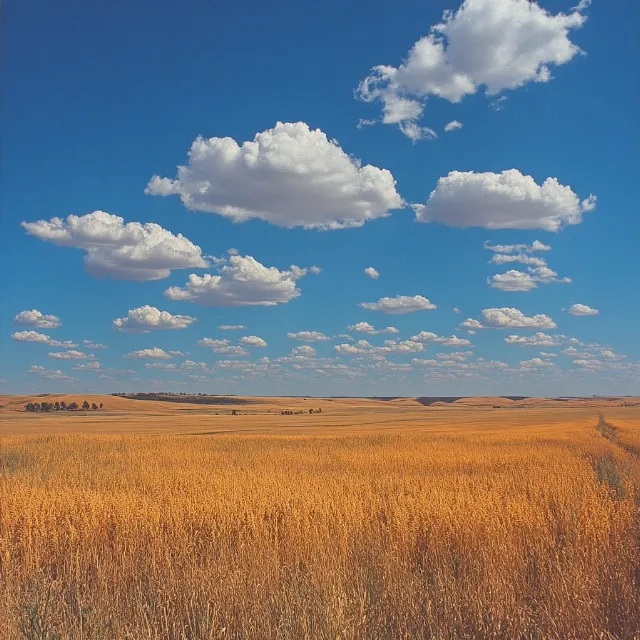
x: 510, y: 528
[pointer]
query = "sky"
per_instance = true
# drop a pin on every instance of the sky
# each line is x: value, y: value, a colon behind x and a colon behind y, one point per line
x: 285, y: 198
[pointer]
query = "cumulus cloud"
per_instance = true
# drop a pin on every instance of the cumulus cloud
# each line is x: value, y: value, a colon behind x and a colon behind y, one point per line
x: 452, y: 126
x: 90, y: 344
x: 364, y: 347
x: 241, y: 281
x: 399, y: 304
x: 508, y: 317
x: 252, y: 341
x: 222, y: 346
x: 154, y: 353
x: 450, y: 341
x: 372, y: 272
x: 514, y: 280
x: 147, y: 318
x: 540, y: 339
x: 536, y: 245
x: 94, y: 365
x: 308, y: 336
x: 582, y: 310
x: 303, y: 350
x: 365, y: 327
x: 35, y: 318
x: 536, y: 363
x: 507, y: 200
x: 498, y: 44
x: 71, y: 355
x: 35, y: 336
x: 290, y: 176
x: 164, y: 366
x: 231, y: 327
x: 126, y: 251
x: 49, y: 374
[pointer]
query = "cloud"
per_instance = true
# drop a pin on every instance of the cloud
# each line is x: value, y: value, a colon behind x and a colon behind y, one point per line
x: 35, y: 318
x: 402, y: 346
x: 507, y: 200
x: 536, y: 245
x: 126, y: 251
x: 90, y: 344
x: 71, y: 355
x: 165, y: 366
x: 582, y: 310
x: 508, y: 317
x: 504, y: 258
x: 88, y: 366
x: 536, y: 363
x: 35, y: 336
x: 243, y: 281
x: 222, y: 346
x: 231, y: 327
x: 512, y: 280
x: 540, y: 339
x: 372, y: 272
x: 308, y: 336
x: 155, y: 353
x: 363, y: 347
x: 290, y: 176
x: 451, y: 341
x: 252, y: 341
x: 50, y: 374
x: 498, y: 44
x: 303, y: 350
x: 146, y: 318
x: 365, y: 327
x: 399, y: 304
x: 452, y: 126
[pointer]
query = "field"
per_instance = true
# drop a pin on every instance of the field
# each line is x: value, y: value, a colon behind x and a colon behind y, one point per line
x: 479, y: 518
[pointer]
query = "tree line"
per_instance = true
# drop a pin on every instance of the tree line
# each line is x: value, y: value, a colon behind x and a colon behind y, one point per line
x: 61, y: 406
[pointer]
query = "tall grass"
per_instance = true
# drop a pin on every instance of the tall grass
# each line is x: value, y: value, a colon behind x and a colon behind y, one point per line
x: 504, y: 534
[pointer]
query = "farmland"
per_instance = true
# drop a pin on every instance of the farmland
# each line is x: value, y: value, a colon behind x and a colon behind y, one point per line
x: 474, y: 518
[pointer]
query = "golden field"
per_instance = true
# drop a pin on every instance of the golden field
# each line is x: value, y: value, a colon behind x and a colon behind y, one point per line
x: 373, y: 519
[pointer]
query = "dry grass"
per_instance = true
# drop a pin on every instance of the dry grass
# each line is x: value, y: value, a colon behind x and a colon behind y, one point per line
x: 466, y: 532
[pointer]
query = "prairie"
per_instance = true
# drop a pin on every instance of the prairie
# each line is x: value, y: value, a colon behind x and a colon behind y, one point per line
x: 372, y: 519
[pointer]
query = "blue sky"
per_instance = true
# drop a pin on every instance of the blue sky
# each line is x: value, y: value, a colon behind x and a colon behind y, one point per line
x: 99, y: 99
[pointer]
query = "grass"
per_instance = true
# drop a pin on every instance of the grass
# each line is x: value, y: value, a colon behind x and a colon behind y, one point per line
x: 506, y: 533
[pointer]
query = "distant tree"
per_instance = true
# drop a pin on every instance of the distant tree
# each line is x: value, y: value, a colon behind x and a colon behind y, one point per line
x: 63, y: 406
x: 56, y: 406
x: 73, y: 406
x: 101, y: 405
x: 86, y: 406
x: 94, y: 406
x: 36, y: 406
x: 29, y: 406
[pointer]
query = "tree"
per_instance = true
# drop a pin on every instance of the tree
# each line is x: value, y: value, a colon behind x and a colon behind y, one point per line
x: 63, y: 406
x: 101, y: 405
x: 36, y: 406
x: 86, y: 406
x: 56, y: 406
x: 73, y: 406
x: 94, y: 406
x: 29, y: 406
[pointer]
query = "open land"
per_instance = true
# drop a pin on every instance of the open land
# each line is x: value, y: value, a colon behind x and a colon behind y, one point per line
x: 375, y: 518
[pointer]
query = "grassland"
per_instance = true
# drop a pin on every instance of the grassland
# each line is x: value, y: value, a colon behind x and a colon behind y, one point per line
x: 374, y: 519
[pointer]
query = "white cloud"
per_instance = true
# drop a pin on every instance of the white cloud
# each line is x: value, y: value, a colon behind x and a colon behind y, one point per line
x: 35, y: 336
x: 458, y: 356
x: 146, y: 318
x: 365, y: 327
x: 50, y: 374
x: 303, y: 350
x: 452, y: 126
x: 508, y: 317
x: 372, y: 272
x: 363, y: 347
x: 582, y: 310
x: 71, y: 355
x: 456, y: 310
x: 512, y: 280
x: 94, y: 365
x: 498, y: 44
x: 536, y: 245
x: 165, y: 366
x: 155, y: 353
x: 252, y: 341
x: 540, y: 339
x: 222, y: 346
x: 35, y: 318
x: 402, y: 346
x: 399, y: 304
x: 242, y: 281
x: 290, y: 176
x: 536, y: 363
x: 231, y: 327
x: 308, y: 336
x: 90, y: 344
x: 127, y: 251
x: 450, y: 341
x: 507, y: 200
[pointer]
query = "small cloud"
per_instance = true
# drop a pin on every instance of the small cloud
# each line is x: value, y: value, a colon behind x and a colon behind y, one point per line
x: 372, y: 272
x: 35, y: 318
x: 155, y: 353
x: 453, y: 125
x: 399, y: 304
x: 583, y: 310
x: 231, y: 327
x: 252, y: 341
x: 147, y: 318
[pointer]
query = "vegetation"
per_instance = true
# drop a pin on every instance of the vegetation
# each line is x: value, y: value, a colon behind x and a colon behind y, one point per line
x: 196, y: 398
x: 457, y: 534
x: 61, y: 406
